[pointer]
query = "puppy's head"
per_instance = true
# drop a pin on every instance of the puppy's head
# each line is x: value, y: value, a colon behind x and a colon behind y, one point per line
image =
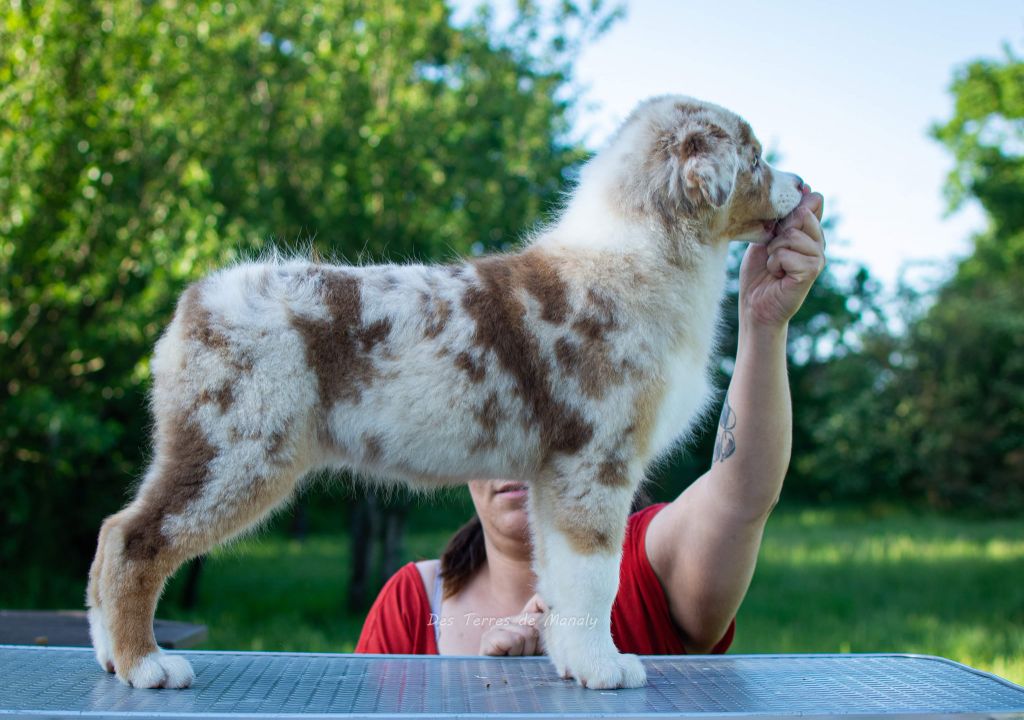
x: 689, y: 161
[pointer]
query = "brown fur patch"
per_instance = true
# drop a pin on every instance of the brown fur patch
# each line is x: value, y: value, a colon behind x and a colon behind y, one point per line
x: 613, y: 473
x: 696, y: 143
x: 584, y: 526
x: 501, y: 327
x: 224, y: 397
x: 751, y: 204
x: 645, y: 413
x: 276, y: 446
x: 476, y: 369
x: 590, y: 364
x: 200, y: 327
x: 198, y: 321
x: 568, y: 354
x: 373, y: 448
x: 183, y: 473
x: 687, y: 109
x: 540, y: 278
x: 746, y: 135
x: 590, y: 361
x: 488, y: 416
x: 585, y: 538
x: 599, y: 318
x: 373, y: 334
x: 338, y: 349
x: 437, y: 312
x: 702, y: 140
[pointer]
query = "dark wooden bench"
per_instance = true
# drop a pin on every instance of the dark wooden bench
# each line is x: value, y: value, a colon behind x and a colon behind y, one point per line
x: 70, y: 628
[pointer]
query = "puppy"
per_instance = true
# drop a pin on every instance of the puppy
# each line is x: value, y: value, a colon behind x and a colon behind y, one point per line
x: 572, y: 364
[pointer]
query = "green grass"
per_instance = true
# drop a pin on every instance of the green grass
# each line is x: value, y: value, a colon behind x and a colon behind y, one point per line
x: 849, y: 582
x: 846, y: 581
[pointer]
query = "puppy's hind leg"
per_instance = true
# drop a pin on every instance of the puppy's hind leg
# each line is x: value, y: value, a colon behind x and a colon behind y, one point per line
x: 194, y: 496
x: 578, y: 524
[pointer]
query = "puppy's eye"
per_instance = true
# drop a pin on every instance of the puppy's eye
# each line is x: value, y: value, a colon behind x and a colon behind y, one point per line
x: 756, y: 164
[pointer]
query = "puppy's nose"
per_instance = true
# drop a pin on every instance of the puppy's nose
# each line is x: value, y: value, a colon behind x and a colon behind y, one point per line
x: 801, y: 187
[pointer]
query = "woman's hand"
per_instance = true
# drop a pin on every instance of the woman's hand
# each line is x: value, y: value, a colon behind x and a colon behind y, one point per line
x: 517, y: 635
x: 775, y: 277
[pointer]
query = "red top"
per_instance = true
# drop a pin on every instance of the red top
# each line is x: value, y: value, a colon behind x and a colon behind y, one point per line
x: 399, y: 621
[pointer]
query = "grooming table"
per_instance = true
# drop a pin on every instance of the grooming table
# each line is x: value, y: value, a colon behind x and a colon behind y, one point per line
x: 66, y: 682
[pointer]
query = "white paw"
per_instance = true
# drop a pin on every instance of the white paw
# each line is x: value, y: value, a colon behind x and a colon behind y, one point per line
x: 607, y: 672
x: 158, y: 670
x: 100, y: 640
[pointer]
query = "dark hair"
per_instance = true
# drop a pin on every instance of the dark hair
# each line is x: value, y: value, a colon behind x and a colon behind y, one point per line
x: 466, y: 552
x: 463, y: 556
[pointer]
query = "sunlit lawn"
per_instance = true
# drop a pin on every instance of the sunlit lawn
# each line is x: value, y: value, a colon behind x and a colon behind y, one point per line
x: 845, y: 582
x: 826, y: 582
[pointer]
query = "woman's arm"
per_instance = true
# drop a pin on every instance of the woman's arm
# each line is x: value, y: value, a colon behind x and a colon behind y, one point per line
x: 703, y: 546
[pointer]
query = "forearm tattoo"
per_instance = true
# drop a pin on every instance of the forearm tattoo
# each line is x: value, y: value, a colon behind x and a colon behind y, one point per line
x: 725, y: 442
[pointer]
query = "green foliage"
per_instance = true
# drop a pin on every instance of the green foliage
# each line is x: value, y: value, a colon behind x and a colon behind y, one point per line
x: 963, y: 370
x: 965, y: 398
x: 144, y: 144
x: 986, y: 137
x: 934, y: 413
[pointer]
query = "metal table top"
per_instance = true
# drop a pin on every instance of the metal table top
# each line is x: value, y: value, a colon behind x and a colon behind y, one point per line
x: 66, y: 682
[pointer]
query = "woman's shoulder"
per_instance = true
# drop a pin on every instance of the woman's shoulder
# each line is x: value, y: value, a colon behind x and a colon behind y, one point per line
x: 398, y: 621
x: 427, y: 570
x: 404, y: 592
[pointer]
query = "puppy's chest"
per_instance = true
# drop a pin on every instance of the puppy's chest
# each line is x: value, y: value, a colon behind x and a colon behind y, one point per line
x: 687, y: 391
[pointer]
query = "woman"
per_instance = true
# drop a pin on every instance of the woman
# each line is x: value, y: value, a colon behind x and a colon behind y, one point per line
x: 686, y: 564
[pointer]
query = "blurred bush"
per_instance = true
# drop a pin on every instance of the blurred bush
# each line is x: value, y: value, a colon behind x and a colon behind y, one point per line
x: 935, y: 412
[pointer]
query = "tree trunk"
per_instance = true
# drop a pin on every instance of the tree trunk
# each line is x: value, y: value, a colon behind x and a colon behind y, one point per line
x: 190, y: 593
x: 394, y: 527
x: 363, y: 531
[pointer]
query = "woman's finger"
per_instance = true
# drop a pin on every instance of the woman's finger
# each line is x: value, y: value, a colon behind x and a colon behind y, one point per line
x: 796, y: 265
x: 492, y: 644
x: 530, y: 642
x: 804, y: 219
x: 796, y: 241
x: 816, y: 202
x: 535, y: 605
x: 509, y: 641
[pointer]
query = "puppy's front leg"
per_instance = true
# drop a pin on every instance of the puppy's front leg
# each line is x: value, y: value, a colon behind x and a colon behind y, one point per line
x: 578, y: 532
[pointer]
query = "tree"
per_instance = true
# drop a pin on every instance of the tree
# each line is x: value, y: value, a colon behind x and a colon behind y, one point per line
x: 967, y: 353
x: 144, y: 144
x: 935, y: 414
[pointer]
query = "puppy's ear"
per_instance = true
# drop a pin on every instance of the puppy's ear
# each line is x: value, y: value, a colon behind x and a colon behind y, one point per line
x: 708, y: 161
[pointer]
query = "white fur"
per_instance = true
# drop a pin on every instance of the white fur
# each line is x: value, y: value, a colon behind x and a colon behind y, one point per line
x: 100, y: 640
x: 158, y: 670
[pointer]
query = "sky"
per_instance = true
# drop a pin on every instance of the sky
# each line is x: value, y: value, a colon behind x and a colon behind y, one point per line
x: 844, y: 93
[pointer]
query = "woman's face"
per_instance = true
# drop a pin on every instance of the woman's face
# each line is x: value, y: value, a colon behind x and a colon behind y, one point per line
x: 501, y: 505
